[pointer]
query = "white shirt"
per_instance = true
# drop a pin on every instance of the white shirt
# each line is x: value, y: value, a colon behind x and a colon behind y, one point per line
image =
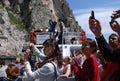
x: 63, y: 69
x: 45, y: 73
x: 3, y: 71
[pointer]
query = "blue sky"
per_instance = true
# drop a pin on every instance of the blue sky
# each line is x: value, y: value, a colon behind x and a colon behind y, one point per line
x: 102, y: 8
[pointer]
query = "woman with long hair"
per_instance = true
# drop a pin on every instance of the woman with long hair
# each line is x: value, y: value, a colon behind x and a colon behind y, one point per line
x: 48, y: 69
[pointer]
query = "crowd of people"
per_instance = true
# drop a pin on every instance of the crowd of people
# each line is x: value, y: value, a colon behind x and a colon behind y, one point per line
x: 83, y: 63
x: 110, y: 54
x: 55, y: 30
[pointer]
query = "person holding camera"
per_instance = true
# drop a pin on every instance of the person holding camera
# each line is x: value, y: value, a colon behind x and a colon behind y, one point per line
x: 108, y: 52
x: 33, y: 55
x: 107, y: 73
x: 48, y: 70
x: 29, y: 55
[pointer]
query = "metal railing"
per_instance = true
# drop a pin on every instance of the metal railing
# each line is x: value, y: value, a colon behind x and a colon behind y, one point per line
x: 8, y: 59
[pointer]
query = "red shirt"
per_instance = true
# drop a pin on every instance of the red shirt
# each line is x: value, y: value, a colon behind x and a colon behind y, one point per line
x: 110, y: 71
x: 89, y: 71
x: 32, y: 36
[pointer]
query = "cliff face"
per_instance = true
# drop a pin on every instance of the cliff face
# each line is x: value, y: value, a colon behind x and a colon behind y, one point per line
x: 38, y: 12
x: 11, y: 39
x: 18, y: 17
x: 60, y: 9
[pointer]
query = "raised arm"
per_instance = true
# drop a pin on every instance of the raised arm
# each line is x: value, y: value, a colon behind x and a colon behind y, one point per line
x: 108, y: 53
x: 113, y: 23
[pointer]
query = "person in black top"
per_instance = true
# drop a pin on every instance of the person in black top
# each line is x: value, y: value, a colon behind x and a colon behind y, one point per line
x: 60, y: 32
x: 95, y: 27
x: 108, y: 52
x: 52, y: 28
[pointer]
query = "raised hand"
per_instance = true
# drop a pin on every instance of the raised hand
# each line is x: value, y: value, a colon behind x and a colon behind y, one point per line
x: 95, y: 27
x: 115, y: 26
x: 116, y: 14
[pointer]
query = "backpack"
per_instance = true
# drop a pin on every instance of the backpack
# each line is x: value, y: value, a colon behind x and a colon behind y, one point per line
x: 6, y: 79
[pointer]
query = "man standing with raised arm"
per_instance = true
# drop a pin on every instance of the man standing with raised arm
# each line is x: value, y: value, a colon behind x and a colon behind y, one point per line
x: 108, y: 53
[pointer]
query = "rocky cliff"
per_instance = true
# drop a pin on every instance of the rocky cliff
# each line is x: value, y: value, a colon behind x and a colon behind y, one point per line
x: 18, y: 17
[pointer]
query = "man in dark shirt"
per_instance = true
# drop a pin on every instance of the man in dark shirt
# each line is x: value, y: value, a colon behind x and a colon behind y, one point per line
x: 61, y: 29
x: 108, y: 53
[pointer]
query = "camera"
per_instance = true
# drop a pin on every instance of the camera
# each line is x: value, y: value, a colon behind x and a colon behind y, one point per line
x: 112, y: 19
x: 25, y: 48
x: 92, y: 15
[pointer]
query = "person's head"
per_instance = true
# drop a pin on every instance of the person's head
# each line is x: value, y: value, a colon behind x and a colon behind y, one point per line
x: 12, y: 71
x: 51, y: 48
x: 33, y: 30
x: 17, y: 60
x: 89, y: 46
x: 114, y: 40
x: 59, y: 19
x: 72, y: 40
